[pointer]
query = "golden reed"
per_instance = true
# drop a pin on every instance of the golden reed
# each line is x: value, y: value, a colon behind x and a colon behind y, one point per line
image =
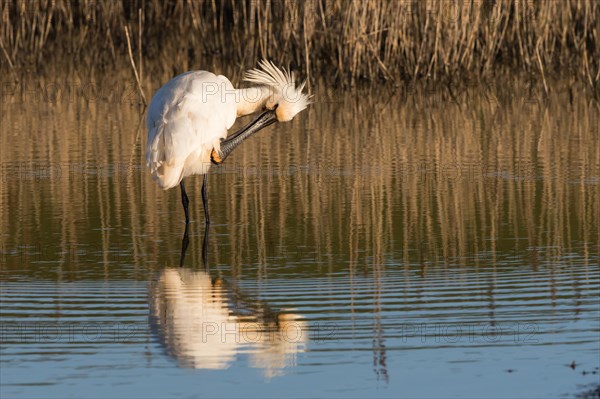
x: 349, y: 40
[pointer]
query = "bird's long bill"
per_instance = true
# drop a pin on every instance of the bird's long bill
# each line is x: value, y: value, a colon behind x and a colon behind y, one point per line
x: 228, y: 145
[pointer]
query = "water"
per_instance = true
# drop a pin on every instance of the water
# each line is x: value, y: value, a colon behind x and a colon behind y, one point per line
x: 420, y: 246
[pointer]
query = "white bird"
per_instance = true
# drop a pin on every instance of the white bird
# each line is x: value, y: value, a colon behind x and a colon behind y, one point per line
x: 188, y: 119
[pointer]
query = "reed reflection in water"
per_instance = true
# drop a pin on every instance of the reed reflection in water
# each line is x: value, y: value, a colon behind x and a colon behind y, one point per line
x: 206, y: 324
x: 426, y: 178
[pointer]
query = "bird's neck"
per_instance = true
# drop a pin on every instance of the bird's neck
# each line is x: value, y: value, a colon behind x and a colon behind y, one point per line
x: 265, y: 119
x: 252, y: 99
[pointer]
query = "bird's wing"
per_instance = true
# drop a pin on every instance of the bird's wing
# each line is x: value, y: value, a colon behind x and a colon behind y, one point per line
x: 187, y: 119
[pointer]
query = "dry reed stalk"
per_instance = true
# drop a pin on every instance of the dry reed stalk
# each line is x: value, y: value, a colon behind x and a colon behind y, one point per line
x: 539, y: 59
x: 140, y: 44
x: 10, y: 64
x: 135, y: 72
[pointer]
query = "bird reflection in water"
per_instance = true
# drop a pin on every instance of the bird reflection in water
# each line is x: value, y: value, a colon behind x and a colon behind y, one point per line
x: 205, y: 323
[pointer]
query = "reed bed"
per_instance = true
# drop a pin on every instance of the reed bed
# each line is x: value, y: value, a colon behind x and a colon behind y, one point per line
x: 349, y: 40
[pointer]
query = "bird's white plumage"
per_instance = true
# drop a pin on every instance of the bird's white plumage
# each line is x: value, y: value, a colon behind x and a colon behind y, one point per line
x: 186, y: 119
x: 190, y: 114
x: 290, y: 100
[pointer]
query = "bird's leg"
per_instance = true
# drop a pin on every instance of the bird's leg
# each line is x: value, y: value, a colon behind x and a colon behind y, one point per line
x: 207, y: 221
x: 205, y: 199
x: 185, y: 201
x: 184, y: 244
x: 205, y: 246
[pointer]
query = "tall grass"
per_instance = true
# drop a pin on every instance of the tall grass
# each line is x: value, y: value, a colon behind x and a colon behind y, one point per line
x: 348, y: 40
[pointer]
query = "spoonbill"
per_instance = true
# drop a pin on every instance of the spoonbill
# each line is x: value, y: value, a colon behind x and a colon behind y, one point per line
x: 188, y: 119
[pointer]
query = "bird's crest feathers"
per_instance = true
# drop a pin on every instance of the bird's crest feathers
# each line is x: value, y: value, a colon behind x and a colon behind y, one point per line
x: 288, y: 98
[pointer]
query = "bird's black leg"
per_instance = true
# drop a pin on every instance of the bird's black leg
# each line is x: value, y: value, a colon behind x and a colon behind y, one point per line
x: 205, y: 246
x: 184, y: 244
x: 205, y: 199
x: 185, y: 201
x: 186, y: 237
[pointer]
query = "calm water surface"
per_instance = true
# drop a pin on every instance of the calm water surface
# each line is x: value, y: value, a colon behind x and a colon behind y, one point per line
x: 422, y: 246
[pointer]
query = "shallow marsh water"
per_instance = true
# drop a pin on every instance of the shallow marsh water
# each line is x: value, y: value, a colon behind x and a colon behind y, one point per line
x: 418, y: 246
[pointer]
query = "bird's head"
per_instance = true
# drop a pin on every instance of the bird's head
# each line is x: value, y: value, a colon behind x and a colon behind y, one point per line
x: 285, y: 98
x: 279, y: 97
